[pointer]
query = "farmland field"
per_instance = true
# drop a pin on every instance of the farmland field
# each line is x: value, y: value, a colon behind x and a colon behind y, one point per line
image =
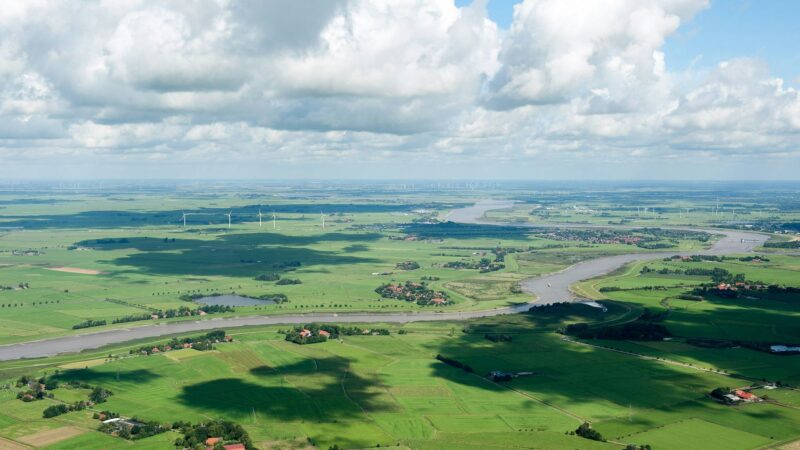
x: 76, y: 263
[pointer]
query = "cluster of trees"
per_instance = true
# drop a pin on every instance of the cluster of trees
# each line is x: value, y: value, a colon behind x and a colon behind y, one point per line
x: 287, y: 265
x: 202, y: 343
x: 195, y: 436
x: 638, y: 288
x: 99, y: 394
x: 498, y: 337
x: 411, y: 292
x: 196, y: 296
x: 786, y: 244
x: 330, y: 331
x: 276, y: 298
x: 22, y: 285
x: 773, y: 291
x: 586, y: 431
x: 61, y: 408
x: 297, y: 336
x: 484, y: 265
x: 649, y: 238
x: 753, y: 258
x: 455, y: 363
x: 104, y: 241
x: 287, y: 281
x: 133, y: 318
x: 14, y: 305
x: 35, y: 389
x: 717, y: 274
x: 88, y: 324
x: 268, y: 277
x: 134, y: 428
x: 552, y: 308
x: 407, y: 265
x: 720, y: 393
x: 183, y: 311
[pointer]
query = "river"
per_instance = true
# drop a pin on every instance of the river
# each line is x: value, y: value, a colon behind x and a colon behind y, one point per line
x: 548, y: 288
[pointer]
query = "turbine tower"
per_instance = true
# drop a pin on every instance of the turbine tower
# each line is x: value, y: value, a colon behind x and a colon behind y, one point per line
x: 274, y: 225
x: 323, y: 219
x: 229, y: 218
x: 183, y: 216
x: 259, y: 217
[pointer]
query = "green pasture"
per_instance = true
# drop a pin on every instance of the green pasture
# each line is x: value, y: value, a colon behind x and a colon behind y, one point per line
x: 389, y: 390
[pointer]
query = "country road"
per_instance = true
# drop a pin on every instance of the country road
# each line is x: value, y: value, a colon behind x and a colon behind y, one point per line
x: 549, y: 288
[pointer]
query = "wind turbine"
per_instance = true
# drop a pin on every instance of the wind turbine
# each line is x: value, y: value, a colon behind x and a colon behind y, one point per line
x: 274, y: 225
x: 259, y: 217
x: 323, y: 219
x: 229, y: 218
x: 183, y: 216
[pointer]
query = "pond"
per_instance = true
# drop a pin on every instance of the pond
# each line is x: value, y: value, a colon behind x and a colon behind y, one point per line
x: 233, y: 300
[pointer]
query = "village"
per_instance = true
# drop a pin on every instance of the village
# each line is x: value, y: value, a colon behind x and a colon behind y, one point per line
x: 412, y: 291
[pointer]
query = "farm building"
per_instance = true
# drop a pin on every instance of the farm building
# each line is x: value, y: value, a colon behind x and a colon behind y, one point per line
x: 745, y: 396
x: 733, y: 398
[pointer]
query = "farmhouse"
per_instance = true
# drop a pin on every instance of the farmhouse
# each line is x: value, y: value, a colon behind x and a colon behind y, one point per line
x: 324, y: 333
x: 745, y: 396
x: 119, y: 423
x: 234, y: 447
x: 305, y: 333
x: 733, y: 398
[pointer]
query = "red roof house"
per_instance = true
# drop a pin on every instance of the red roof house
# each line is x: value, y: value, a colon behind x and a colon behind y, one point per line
x: 212, y: 440
x: 324, y: 333
x: 305, y: 333
x: 744, y: 395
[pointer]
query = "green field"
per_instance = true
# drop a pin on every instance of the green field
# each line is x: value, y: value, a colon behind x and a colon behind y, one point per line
x: 127, y: 254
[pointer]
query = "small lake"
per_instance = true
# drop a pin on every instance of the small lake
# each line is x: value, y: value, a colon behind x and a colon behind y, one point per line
x: 233, y: 300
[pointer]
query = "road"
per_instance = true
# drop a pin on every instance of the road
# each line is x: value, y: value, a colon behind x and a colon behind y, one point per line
x: 549, y: 288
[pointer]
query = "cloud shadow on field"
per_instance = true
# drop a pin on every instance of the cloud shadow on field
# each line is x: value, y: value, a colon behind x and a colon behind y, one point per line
x: 244, y: 255
x: 320, y: 390
x: 596, y: 384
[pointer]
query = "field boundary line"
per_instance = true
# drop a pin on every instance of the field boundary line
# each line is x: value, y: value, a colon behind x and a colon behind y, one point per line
x: 533, y: 397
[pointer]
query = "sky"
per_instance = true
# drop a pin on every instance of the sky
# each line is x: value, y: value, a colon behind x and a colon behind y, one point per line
x: 406, y: 89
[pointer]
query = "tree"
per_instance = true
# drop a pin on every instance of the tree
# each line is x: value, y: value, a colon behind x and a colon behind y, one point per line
x: 586, y: 431
x: 99, y: 394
